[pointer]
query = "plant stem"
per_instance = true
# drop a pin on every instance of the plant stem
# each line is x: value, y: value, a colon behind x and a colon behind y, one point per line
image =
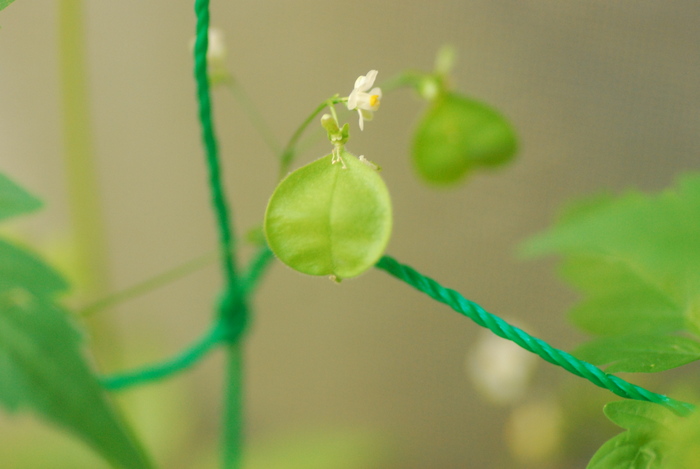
x: 81, y: 174
x: 88, y: 232
x: 290, y: 149
x: 150, y: 284
x: 255, y: 118
x: 409, y: 78
x: 233, y: 411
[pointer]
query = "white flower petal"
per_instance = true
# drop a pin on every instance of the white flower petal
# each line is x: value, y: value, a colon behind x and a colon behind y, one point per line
x: 366, y: 114
x: 362, y: 122
x: 360, y: 82
x: 369, y: 80
x: 217, y: 45
x: 352, y: 100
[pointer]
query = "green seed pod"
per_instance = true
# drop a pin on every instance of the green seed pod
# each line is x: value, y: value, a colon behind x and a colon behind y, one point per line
x: 457, y: 135
x: 330, y: 219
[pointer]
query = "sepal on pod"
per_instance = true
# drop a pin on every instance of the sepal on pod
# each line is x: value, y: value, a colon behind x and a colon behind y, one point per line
x: 330, y: 219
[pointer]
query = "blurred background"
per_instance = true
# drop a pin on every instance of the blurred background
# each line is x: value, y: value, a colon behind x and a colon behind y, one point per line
x: 366, y: 374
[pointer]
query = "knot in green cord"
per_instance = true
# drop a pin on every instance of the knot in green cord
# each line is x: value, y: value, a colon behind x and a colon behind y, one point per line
x: 233, y: 315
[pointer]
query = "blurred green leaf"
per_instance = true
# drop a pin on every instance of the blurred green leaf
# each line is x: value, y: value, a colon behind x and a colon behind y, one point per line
x: 642, y: 417
x: 635, y: 260
x: 13, y: 199
x: 655, y: 438
x: 19, y: 268
x: 41, y: 367
x: 640, y: 353
x: 628, y: 451
x: 617, y: 300
x: 656, y: 237
x: 457, y: 135
x: 41, y: 364
x: 5, y: 3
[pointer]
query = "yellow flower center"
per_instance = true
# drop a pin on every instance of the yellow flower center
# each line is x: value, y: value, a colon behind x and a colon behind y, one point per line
x: 374, y: 100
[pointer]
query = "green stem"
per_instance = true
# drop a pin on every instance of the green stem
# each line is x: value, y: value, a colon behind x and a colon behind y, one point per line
x: 289, y: 151
x: 88, y: 232
x: 150, y: 284
x: 255, y: 118
x: 256, y: 269
x: 81, y: 174
x: 409, y: 78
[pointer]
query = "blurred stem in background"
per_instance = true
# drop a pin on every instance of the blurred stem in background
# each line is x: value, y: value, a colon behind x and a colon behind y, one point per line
x: 88, y: 233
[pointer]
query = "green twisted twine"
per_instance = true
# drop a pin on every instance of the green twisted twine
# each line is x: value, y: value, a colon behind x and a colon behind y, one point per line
x: 201, y: 76
x: 502, y: 329
x: 232, y: 308
x: 182, y: 361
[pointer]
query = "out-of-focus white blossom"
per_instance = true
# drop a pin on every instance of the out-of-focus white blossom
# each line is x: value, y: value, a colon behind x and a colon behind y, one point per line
x: 499, y: 368
x: 216, y: 54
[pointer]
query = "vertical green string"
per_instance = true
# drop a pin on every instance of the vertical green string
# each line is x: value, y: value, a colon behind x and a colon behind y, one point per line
x: 232, y: 451
x: 201, y: 46
x: 232, y: 308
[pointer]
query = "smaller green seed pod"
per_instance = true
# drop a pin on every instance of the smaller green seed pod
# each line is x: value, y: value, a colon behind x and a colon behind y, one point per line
x: 330, y: 218
x: 456, y: 135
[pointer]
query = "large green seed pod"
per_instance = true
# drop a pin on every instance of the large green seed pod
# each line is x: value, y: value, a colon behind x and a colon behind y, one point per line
x: 458, y: 134
x: 330, y: 219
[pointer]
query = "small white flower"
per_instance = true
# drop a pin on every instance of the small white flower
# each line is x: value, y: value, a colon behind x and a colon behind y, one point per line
x: 216, y: 54
x: 365, y: 103
x: 500, y: 369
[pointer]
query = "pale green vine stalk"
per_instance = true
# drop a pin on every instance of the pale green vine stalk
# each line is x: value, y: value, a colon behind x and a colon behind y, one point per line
x: 88, y: 233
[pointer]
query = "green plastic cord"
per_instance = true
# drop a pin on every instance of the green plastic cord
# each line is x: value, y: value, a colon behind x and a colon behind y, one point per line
x: 220, y: 331
x: 183, y: 360
x: 498, y: 326
x: 219, y: 203
x: 233, y: 311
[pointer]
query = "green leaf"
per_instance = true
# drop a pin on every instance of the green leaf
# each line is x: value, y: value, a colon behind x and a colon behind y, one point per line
x: 19, y: 268
x: 41, y: 364
x: 640, y: 416
x: 457, y: 135
x: 42, y: 368
x: 13, y: 199
x: 656, y: 237
x: 618, y: 301
x: 5, y: 3
x: 330, y: 219
x: 646, y: 443
x: 635, y: 260
x: 655, y: 438
x: 640, y: 353
x: 629, y: 451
